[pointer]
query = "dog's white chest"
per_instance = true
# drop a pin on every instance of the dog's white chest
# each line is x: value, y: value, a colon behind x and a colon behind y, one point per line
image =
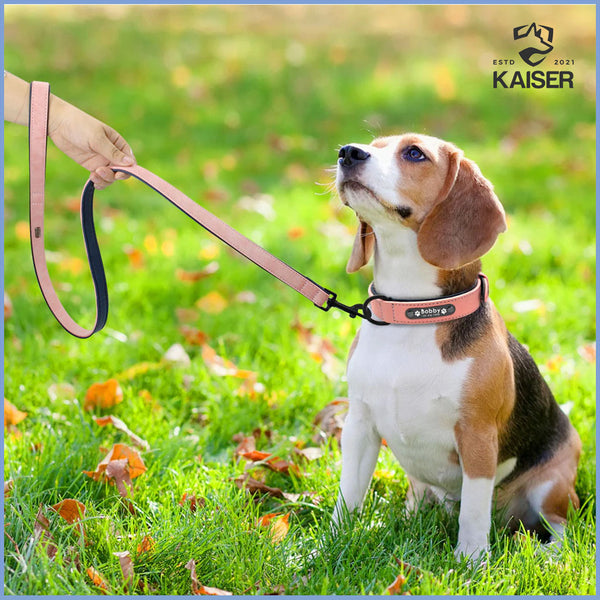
x: 412, y: 397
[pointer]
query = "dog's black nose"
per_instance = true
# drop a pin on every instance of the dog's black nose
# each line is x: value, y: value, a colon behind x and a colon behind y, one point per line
x: 349, y: 156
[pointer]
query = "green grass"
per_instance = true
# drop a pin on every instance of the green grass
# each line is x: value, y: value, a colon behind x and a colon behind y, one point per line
x: 231, y: 102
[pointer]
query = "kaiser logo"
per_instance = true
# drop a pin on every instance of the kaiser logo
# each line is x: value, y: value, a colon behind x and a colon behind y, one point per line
x: 536, y: 43
x: 531, y: 54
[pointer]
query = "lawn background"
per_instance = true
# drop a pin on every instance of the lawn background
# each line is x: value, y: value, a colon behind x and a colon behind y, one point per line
x: 243, y: 109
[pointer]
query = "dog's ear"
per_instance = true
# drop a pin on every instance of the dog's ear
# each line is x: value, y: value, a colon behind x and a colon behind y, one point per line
x: 466, y: 219
x: 364, y: 243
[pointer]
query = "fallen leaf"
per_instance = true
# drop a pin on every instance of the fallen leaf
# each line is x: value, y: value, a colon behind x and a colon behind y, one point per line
x: 193, y: 336
x: 150, y: 244
x: 191, y: 566
x: 246, y: 444
x: 8, y: 486
x: 176, y: 355
x: 296, y: 233
x: 97, y: 579
x: 122, y: 464
x: 72, y: 264
x: 278, y: 525
x: 397, y: 585
x: 210, y: 252
x: 139, y: 369
x: 103, y: 395
x: 147, y: 545
x: 310, y: 453
x: 253, y: 486
x: 42, y: 535
x: 554, y: 363
x: 8, y: 307
x: 221, y: 366
x: 72, y: 511
x: 193, y: 501
x: 205, y: 590
x: 330, y: 420
x: 12, y: 415
x: 120, y: 425
x: 213, y: 303
x: 22, y: 230
x: 126, y: 567
x: 272, y: 462
x: 193, y: 276
x: 588, y: 352
x: 135, y: 256
x: 320, y: 349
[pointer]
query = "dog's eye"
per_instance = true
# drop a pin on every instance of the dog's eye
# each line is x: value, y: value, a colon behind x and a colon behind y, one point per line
x: 413, y: 154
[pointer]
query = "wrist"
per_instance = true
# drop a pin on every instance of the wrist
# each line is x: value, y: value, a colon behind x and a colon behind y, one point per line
x: 56, y: 111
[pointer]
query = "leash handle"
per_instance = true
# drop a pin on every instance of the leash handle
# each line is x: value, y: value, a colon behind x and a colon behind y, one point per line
x: 38, y: 131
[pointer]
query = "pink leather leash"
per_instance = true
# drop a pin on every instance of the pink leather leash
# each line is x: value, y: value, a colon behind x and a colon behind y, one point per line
x: 386, y: 309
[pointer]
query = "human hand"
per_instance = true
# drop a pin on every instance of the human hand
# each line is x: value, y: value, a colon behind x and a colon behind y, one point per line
x: 88, y: 142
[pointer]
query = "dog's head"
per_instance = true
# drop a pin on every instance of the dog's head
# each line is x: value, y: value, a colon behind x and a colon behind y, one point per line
x: 427, y: 185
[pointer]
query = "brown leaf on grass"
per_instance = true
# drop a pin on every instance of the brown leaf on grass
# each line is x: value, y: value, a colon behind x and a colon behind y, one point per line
x: 320, y: 349
x: 103, y: 395
x: 119, y: 466
x: 193, y: 501
x: 193, y: 276
x: 330, y: 420
x: 202, y: 590
x: 193, y: 336
x: 146, y: 545
x: 278, y: 525
x: 8, y: 486
x: 72, y: 511
x: 310, y: 453
x: 222, y: 367
x: 588, y: 352
x: 213, y: 303
x: 126, y: 567
x: 246, y: 444
x: 8, y: 307
x: 135, y: 256
x: 120, y: 425
x: 97, y: 579
x: 396, y: 586
x: 272, y: 462
x: 12, y: 415
x: 254, y: 486
x: 42, y: 535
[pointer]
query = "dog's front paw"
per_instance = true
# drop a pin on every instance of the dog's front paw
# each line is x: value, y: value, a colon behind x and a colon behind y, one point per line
x: 475, y: 551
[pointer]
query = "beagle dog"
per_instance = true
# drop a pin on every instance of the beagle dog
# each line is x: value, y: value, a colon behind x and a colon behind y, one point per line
x: 459, y: 401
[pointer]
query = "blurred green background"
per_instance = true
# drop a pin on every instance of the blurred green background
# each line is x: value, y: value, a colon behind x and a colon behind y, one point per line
x: 243, y: 109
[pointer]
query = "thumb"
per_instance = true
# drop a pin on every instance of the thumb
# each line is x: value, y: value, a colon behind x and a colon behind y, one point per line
x: 115, y: 149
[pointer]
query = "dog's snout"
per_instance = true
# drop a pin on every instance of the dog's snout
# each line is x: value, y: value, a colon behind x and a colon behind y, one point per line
x: 350, y: 156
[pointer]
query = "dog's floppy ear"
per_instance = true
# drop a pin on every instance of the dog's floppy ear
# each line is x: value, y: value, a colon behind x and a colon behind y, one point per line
x: 466, y: 219
x: 364, y: 242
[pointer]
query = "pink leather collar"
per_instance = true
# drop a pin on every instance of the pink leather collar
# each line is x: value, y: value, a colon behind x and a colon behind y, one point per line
x: 440, y: 310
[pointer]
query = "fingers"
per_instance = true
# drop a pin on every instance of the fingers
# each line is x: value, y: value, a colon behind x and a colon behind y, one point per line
x: 104, y: 176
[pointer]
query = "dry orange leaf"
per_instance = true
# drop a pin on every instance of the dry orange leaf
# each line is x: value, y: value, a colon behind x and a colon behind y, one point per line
x: 12, y: 415
x: 247, y: 444
x: 330, y: 420
x: 296, y: 232
x: 205, y: 590
x: 396, y: 585
x: 279, y: 525
x: 273, y: 462
x: 221, y: 366
x: 70, y: 510
x: 126, y: 566
x: 8, y: 307
x: 147, y: 545
x: 245, y: 482
x: 135, y: 256
x: 193, y: 336
x: 103, y: 395
x: 97, y: 579
x: 213, y: 303
x: 42, y: 535
x: 321, y: 350
x: 139, y: 369
x: 193, y: 276
x: 122, y: 464
x: 588, y: 352
x: 22, y: 230
x: 8, y: 486
x: 120, y: 425
x: 192, y: 500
